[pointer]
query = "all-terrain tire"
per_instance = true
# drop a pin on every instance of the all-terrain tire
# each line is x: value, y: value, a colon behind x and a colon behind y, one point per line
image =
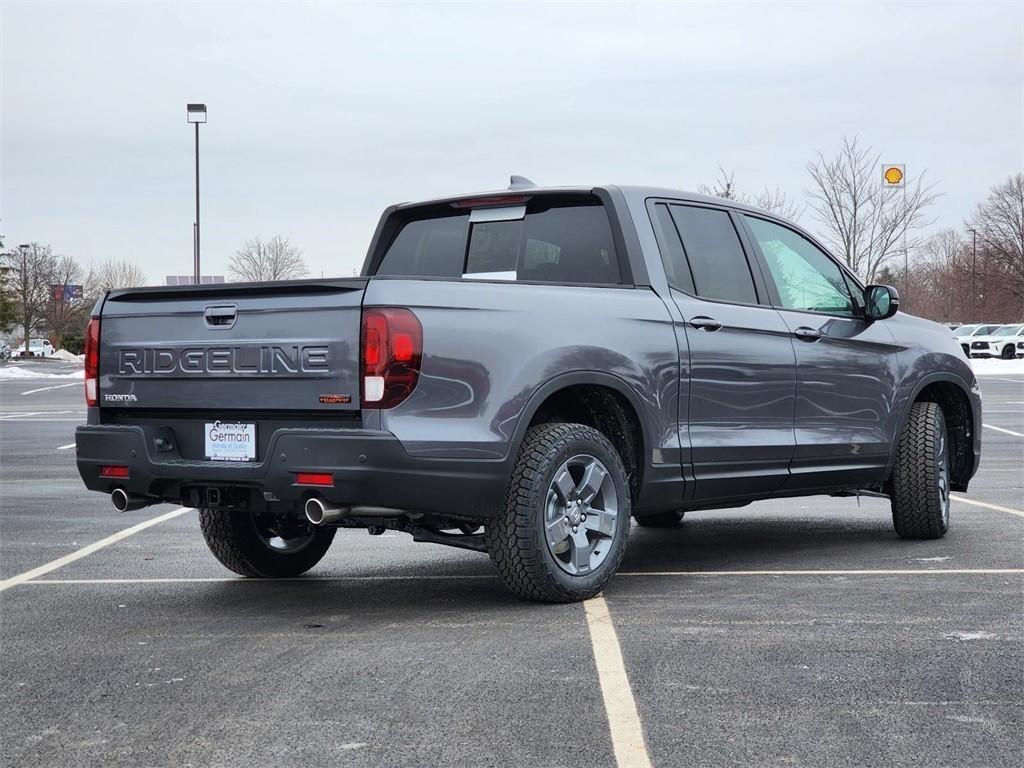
x: 670, y: 519
x: 235, y: 542
x: 516, y: 538
x: 920, y: 477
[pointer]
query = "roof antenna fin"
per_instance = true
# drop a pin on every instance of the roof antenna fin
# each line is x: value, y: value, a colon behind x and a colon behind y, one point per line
x: 520, y: 182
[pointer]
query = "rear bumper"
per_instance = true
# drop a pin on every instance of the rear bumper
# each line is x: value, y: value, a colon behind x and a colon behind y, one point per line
x: 370, y: 468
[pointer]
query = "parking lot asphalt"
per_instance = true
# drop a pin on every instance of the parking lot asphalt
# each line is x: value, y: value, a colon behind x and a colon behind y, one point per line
x: 797, y: 632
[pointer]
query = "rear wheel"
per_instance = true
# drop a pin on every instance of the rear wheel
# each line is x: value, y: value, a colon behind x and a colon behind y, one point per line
x: 263, y: 546
x: 670, y: 519
x: 563, y: 530
x: 920, y: 477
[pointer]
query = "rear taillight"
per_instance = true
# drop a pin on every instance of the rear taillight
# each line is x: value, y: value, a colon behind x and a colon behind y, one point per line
x: 92, y: 361
x: 392, y: 341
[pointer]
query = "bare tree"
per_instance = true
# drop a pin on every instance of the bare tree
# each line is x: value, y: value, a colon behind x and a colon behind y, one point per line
x: 113, y: 274
x: 7, y: 305
x: 30, y: 271
x: 866, y: 224
x: 275, y: 259
x: 65, y: 314
x: 999, y: 221
x: 773, y: 201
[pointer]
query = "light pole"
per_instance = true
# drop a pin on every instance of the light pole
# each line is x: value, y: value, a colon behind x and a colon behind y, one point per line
x: 196, y: 114
x: 974, y: 274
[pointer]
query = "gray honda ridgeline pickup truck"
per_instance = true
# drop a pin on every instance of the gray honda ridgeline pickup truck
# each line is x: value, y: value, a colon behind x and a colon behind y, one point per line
x: 522, y: 373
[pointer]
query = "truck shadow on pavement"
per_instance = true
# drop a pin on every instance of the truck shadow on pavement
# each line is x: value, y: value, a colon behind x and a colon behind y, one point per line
x: 771, y: 542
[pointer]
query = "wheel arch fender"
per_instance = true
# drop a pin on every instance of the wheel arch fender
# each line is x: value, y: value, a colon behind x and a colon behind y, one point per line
x: 576, y: 378
x: 973, y: 413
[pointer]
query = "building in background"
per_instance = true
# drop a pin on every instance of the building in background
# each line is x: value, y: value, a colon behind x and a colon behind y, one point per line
x: 189, y: 280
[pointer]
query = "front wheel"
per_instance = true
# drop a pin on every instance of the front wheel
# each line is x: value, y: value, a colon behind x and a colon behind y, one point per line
x: 1008, y: 352
x: 264, y: 546
x: 920, y: 476
x: 562, y: 533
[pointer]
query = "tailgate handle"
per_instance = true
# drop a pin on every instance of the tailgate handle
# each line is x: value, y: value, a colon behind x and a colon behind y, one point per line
x: 221, y: 316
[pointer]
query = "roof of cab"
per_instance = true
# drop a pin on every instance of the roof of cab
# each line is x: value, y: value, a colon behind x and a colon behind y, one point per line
x: 633, y: 193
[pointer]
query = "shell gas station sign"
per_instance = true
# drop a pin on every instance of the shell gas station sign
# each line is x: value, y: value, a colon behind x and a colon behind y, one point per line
x: 894, y: 175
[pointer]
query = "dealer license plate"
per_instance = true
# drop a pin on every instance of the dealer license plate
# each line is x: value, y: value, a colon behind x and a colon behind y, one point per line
x: 230, y: 441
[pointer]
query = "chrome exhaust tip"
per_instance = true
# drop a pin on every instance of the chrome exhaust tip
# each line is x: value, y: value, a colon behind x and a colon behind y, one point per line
x: 127, y: 502
x: 319, y: 512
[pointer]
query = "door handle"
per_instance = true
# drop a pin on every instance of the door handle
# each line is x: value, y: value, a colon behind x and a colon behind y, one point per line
x: 702, y: 323
x: 807, y: 334
x: 220, y: 317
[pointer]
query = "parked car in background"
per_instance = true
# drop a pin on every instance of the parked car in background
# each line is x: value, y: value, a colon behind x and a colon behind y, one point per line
x: 965, y: 333
x: 5, y: 351
x: 36, y: 348
x: 541, y: 363
x: 1001, y: 342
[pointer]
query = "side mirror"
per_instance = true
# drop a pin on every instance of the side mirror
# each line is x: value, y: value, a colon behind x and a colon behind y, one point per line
x: 881, y: 301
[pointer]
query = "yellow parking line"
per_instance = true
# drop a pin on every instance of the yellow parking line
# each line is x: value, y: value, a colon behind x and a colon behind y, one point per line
x: 619, y: 704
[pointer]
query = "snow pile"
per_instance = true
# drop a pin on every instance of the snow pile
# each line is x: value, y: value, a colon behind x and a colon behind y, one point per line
x: 993, y: 366
x: 63, y: 354
x: 13, y: 372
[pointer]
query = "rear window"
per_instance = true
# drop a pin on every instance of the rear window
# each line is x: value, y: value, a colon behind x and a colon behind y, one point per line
x: 428, y: 248
x: 551, y: 243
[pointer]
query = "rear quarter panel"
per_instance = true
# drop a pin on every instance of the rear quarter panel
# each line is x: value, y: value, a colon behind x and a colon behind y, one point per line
x: 489, y: 346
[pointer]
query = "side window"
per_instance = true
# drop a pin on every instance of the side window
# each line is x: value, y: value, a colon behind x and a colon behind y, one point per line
x: 717, y: 263
x: 806, y: 277
x: 677, y: 270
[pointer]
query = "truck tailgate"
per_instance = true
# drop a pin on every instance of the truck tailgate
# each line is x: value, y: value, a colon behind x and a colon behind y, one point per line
x: 260, y: 346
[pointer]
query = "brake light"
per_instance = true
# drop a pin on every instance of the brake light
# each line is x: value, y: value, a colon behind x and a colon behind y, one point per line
x: 92, y: 361
x: 392, y: 351
x: 314, y: 478
x: 486, y: 202
x: 114, y: 471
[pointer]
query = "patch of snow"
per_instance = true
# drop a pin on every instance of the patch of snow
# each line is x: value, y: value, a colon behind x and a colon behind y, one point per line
x: 994, y: 366
x: 977, y: 635
x: 63, y: 354
x: 10, y: 372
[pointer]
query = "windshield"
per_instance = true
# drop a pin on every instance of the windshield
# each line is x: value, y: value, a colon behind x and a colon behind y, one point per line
x: 983, y: 330
x: 1007, y: 330
x: 965, y: 330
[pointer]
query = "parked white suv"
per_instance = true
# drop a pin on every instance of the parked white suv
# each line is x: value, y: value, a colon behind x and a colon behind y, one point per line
x: 36, y: 348
x: 1001, y: 342
x: 966, y: 333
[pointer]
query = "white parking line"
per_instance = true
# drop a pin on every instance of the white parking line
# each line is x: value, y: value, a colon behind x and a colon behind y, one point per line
x: 22, y: 421
x: 493, y: 577
x: 1000, y: 429
x: 60, y: 562
x: 620, y: 706
x: 996, y: 507
x: 18, y: 415
x: 840, y: 572
x: 55, y: 386
x: 65, y: 447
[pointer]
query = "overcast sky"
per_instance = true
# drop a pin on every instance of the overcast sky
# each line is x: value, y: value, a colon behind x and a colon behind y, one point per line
x: 321, y: 115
